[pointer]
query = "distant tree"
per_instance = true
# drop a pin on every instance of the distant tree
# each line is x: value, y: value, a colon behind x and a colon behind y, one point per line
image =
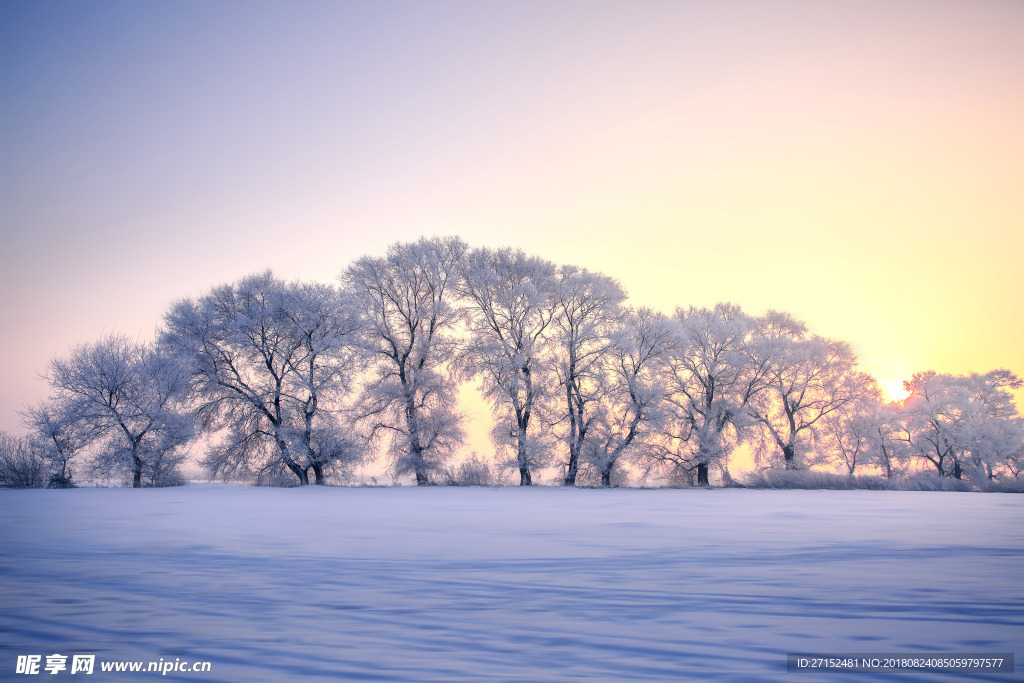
x: 962, y: 425
x: 808, y: 377
x: 122, y: 399
x: 587, y: 311
x: 511, y: 298
x: 21, y: 465
x: 267, y: 362
x: 995, y: 429
x: 60, y: 439
x: 712, y: 378
x: 408, y: 303
x: 630, y: 402
x: 850, y: 436
x: 887, y: 447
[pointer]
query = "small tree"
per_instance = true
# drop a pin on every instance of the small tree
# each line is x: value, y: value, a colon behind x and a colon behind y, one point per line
x: 850, y: 435
x: 887, y: 447
x: 123, y: 399
x: 60, y: 438
x: 22, y: 466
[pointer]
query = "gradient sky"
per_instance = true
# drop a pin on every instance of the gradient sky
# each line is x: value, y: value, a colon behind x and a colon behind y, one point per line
x: 859, y: 164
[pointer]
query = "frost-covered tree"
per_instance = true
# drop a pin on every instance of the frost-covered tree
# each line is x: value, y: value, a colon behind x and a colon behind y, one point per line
x: 511, y: 299
x: 629, y: 404
x: 267, y: 361
x: 887, y: 448
x: 807, y: 378
x: 325, y: 322
x: 711, y: 379
x: 408, y: 303
x: 962, y: 425
x: 588, y: 311
x: 124, y: 400
x: 22, y: 466
x: 60, y: 438
x: 850, y: 436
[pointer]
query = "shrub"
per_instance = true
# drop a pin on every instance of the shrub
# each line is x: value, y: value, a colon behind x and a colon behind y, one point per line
x: 471, y: 472
x: 21, y: 465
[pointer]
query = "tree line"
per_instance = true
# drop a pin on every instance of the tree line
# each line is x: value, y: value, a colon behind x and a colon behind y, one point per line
x: 300, y: 382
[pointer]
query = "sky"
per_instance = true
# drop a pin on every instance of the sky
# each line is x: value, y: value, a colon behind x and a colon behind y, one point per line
x: 859, y: 164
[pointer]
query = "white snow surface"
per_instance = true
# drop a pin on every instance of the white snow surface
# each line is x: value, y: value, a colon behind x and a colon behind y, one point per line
x: 508, y: 584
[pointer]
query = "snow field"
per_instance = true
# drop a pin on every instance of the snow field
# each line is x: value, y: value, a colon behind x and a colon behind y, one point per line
x: 508, y: 584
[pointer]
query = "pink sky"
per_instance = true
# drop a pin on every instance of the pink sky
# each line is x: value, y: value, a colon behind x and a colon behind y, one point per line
x: 858, y: 164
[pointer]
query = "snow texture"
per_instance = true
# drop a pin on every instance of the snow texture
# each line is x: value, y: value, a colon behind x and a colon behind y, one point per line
x: 512, y: 584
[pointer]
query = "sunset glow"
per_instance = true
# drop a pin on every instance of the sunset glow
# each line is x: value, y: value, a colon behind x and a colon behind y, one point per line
x: 893, y: 389
x: 857, y: 164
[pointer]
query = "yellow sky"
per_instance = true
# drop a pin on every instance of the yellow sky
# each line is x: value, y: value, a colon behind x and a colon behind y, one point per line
x: 857, y: 164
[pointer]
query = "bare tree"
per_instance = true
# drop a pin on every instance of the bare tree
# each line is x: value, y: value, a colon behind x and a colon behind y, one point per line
x: 407, y: 299
x: 511, y: 298
x: 588, y: 309
x: 60, y: 438
x: 124, y: 399
x: 22, y: 466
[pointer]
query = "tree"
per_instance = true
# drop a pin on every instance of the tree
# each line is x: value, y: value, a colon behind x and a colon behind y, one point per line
x: 267, y: 361
x: 512, y: 304
x: 963, y: 425
x: 407, y: 301
x: 631, y: 398
x: 887, y: 448
x: 711, y: 380
x: 124, y: 400
x: 22, y: 466
x: 325, y: 322
x: 60, y: 438
x: 807, y: 378
x: 588, y: 308
x: 853, y: 434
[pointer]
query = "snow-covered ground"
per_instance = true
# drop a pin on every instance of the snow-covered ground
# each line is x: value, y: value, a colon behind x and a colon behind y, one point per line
x: 544, y: 584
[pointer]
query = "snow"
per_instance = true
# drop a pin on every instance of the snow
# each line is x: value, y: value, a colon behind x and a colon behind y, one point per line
x: 511, y: 584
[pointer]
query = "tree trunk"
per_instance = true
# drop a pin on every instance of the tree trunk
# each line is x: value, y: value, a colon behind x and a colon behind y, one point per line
x: 574, y: 466
x: 702, y: 474
x: 577, y: 430
x: 412, y: 423
x: 318, y: 473
x: 957, y: 471
x: 298, y: 472
x: 606, y: 475
x: 789, y: 453
x: 137, y: 474
x: 525, y: 479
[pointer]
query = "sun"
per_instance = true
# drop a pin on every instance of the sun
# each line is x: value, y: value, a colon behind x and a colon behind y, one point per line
x: 893, y: 389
